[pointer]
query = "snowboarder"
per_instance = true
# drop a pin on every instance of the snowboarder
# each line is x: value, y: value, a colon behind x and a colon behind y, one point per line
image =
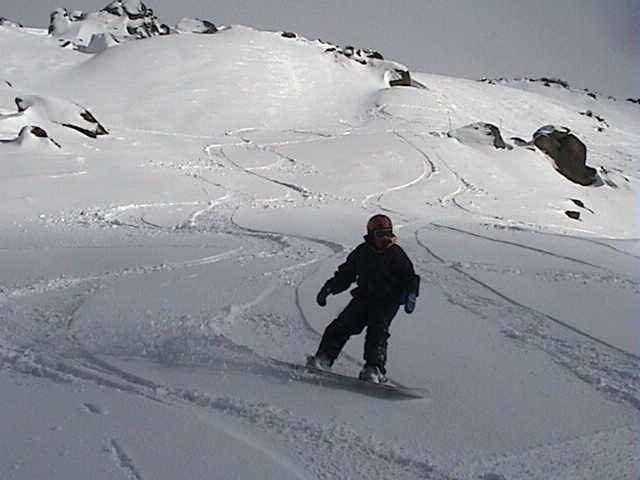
x: 385, y: 280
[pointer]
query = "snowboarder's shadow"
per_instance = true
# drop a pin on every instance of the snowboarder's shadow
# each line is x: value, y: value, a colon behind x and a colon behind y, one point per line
x: 206, y: 353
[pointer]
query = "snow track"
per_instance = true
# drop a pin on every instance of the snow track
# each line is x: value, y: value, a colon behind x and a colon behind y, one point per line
x: 609, y: 368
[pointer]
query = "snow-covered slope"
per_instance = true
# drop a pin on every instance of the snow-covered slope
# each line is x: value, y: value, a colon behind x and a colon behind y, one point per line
x: 238, y: 78
x: 154, y: 279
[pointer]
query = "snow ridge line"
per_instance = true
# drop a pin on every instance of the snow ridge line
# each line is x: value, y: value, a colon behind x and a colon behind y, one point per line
x: 124, y: 461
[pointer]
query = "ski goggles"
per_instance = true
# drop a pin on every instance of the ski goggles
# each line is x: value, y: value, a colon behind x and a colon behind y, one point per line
x: 383, y: 233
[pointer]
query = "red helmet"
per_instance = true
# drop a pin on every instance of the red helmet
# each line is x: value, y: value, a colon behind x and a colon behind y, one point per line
x: 379, y: 222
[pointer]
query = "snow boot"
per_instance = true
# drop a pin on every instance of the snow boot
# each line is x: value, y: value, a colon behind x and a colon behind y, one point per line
x: 319, y: 362
x: 371, y: 373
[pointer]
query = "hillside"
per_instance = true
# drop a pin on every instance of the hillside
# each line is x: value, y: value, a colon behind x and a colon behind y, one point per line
x: 163, y: 241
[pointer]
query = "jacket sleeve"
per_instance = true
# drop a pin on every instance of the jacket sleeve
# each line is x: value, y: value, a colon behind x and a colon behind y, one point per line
x: 410, y: 281
x: 345, y: 275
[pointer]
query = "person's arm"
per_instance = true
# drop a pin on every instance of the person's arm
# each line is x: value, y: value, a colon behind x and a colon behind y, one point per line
x: 411, y: 282
x: 342, y: 279
x: 344, y: 276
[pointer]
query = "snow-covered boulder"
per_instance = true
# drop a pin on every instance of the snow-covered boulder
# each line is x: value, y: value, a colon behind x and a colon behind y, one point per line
x: 99, y: 43
x: 479, y: 133
x: 5, y: 22
x: 32, y: 138
x: 62, y: 112
x: 121, y: 20
x: 397, y: 75
x: 195, y: 25
x: 568, y: 153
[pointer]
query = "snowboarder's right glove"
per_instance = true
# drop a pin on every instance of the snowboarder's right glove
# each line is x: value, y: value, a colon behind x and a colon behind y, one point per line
x: 410, y: 303
x: 321, y: 299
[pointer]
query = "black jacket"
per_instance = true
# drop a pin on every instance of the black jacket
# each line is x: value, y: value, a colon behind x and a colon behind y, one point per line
x: 383, y: 276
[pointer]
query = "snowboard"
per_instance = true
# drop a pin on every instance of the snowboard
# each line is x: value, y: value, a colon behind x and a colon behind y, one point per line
x: 390, y: 390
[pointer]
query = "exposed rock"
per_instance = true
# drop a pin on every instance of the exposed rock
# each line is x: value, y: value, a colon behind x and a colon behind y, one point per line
x: 547, y: 82
x: 402, y: 79
x: 523, y: 143
x: 572, y: 214
x: 634, y: 100
x: 121, y: 19
x: 357, y: 54
x: 289, y: 35
x: 196, y: 25
x: 480, y: 134
x: 5, y: 22
x: 62, y: 112
x: 580, y: 203
x: 33, y: 137
x: 568, y: 153
x: 397, y: 75
x: 601, y: 120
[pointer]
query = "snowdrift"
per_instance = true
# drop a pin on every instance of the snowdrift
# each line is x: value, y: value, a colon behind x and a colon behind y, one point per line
x: 238, y: 78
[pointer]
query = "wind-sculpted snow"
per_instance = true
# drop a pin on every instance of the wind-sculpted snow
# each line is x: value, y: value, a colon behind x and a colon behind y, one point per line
x: 31, y: 138
x: 48, y: 112
x: 236, y: 79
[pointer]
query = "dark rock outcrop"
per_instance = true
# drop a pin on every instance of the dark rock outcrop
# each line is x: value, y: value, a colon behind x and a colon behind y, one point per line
x: 398, y: 75
x: 402, y: 79
x: 358, y: 54
x: 63, y: 113
x: 289, y: 35
x: 603, y: 123
x: 634, y: 100
x: 5, y: 22
x: 32, y: 135
x: 568, y: 153
x: 121, y: 18
x: 547, y: 82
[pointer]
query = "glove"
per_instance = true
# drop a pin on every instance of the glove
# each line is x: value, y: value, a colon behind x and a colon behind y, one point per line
x: 410, y: 303
x: 321, y: 299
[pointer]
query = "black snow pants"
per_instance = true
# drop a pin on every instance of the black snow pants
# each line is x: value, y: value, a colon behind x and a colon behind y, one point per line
x: 357, y: 315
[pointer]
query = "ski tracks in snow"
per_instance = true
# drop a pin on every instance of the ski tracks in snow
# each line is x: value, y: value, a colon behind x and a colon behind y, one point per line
x: 608, y: 368
x: 123, y: 461
x: 67, y: 282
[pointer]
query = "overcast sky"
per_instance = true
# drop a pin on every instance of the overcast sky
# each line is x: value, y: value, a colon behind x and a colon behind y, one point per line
x: 590, y: 43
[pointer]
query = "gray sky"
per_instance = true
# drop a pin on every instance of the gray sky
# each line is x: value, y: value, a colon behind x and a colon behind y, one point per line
x: 590, y: 43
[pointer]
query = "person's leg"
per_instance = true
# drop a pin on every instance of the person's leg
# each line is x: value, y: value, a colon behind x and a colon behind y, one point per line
x: 351, y: 321
x: 379, y: 319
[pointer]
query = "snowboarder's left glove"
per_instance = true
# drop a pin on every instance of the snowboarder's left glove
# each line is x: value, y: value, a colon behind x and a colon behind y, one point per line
x: 410, y: 303
x: 322, y: 296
